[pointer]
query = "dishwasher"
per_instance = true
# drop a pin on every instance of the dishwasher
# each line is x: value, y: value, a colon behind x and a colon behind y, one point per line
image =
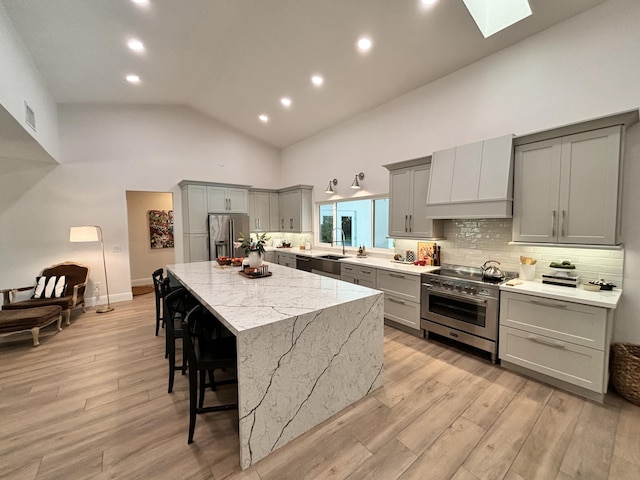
x: 303, y: 263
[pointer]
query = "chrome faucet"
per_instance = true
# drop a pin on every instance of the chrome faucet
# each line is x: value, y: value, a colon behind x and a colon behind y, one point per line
x: 343, y: 238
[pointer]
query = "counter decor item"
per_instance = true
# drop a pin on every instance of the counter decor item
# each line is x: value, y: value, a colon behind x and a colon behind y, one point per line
x: 259, y: 272
x: 254, y: 249
x: 410, y: 256
x: 362, y: 252
x: 625, y: 370
x: 491, y: 272
x: 527, y: 268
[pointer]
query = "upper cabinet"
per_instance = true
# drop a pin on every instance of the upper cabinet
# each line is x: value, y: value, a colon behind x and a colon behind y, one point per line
x: 567, y: 189
x: 264, y: 211
x: 408, y: 188
x: 223, y: 199
x: 472, y: 181
x: 194, y: 208
x: 295, y: 209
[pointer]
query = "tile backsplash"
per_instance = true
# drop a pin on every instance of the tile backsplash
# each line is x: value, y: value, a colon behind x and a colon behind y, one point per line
x: 474, y: 241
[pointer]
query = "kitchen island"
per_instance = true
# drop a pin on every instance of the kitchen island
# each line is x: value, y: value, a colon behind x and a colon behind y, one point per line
x: 308, y: 347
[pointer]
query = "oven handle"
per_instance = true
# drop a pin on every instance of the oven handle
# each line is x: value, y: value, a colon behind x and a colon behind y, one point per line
x: 475, y: 301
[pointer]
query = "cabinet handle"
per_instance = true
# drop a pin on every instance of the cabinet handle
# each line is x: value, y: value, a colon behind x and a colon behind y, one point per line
x: 356, y: 281
x: 406, y: 217
x: 396, y: 301
x: 553, y: 223
x: 551, y: 343
x: 410, y: 223
x: 564, y: 214
x: 364, y: 271
x: 282, y: 223
x: 394, y: 275
x: 546, y: 304
x: 291, y: 223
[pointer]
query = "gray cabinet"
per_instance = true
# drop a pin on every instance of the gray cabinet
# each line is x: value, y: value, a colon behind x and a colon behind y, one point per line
x: 358, y: 274
x: 566, y: 189
x: 401, y: 297
x: 295, y: 209
x: 223, y: 199
x: 408, y: 187
x: 263, y: 211
x: 287, y: 259
x: 565, y: 342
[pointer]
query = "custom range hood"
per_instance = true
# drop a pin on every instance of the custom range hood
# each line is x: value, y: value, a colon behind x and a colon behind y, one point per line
x: 472, y: 181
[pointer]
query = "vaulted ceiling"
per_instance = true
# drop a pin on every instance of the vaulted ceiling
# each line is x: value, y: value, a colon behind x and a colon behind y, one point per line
x: 235, y: 59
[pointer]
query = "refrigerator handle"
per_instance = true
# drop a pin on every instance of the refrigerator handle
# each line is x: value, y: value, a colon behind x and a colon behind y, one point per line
x: 232, y: 236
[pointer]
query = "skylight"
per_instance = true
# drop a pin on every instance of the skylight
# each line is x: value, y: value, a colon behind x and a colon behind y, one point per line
x: 491, y: 16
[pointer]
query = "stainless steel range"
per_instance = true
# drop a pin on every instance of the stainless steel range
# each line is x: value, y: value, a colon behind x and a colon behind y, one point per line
x: 457, y: 303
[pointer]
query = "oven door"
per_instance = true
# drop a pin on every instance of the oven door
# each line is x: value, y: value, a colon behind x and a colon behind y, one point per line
x: 475, y: 315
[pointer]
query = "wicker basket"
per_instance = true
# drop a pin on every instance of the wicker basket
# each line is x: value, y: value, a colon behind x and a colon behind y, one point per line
x: 625, y: 370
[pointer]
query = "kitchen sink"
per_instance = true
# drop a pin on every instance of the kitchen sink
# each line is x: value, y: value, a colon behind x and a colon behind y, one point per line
x: 331, y: 256
x: 328, y: 265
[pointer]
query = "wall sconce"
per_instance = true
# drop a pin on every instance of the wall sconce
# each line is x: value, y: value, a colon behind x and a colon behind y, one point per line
x: 330, y: 187
x: 92, y: 233
x: 356, y: 184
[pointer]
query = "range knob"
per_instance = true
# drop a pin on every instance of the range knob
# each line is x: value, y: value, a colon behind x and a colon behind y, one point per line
x: 458, y: 288
x: 472, y: 290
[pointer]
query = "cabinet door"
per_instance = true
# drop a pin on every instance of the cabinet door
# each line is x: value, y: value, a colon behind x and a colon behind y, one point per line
x: 237, y: 200
x: 194, y: 208
x: 253, y: 214
x: 402, y: 311
x: 536, y: 191
x: 419, y: 224
x: 399, y: 202
x: 442, y: 164
x: 196, y: 247
x: 216, y: 199
x: 284, y: 200
x: 274, y: 212
x: 295, y: 211
x: 588, y: 205
x: 261, y: 207
x: 466, y: 172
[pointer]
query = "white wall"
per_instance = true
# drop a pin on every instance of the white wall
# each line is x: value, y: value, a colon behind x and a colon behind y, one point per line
x: 585, y: 67
x: 105, y: 151
x: 20, y: 81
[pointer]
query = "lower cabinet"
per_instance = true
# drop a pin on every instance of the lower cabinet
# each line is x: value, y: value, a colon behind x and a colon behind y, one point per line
x: 401, y: 297
x: 361, y: 275
x: 287, y: 259
x: 196, y: 247
x: 563, y: 343
x: 270, y: 257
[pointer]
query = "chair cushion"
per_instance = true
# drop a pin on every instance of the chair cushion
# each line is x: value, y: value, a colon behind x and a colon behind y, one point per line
x: 50, y: 287
x: 65, y: 302
x: 12, y: 320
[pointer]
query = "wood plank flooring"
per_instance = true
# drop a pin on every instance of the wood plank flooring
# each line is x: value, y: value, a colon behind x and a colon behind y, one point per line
x: 92, y: 402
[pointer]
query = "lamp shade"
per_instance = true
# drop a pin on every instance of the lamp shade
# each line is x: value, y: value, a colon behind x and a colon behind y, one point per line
x: 86, y: 233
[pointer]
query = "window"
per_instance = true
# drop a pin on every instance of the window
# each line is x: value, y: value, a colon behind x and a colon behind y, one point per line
x: 363, y: 222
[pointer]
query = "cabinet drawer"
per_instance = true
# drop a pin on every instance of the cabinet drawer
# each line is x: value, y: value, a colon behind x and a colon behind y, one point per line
x: 566, y: 321
x: 565, y: 361
x: 400, y: 285
x: 402, y: 311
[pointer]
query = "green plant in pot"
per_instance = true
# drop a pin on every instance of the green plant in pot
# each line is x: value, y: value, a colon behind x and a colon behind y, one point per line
x: 253, y: 249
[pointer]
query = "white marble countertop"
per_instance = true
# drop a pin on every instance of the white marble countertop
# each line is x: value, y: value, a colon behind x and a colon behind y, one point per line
x: 245, y: 303
x: 601, y: 298
x: 370, y: 261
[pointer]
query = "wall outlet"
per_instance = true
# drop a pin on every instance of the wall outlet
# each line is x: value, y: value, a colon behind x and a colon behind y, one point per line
x: 116, y: 248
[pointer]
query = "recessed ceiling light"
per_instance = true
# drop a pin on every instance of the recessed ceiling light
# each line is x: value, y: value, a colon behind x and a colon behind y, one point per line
x: 364, y: 43
x: 286, y: 101
x: 491, y: 16
x: 317, y: 80
x: 428, y: 3
x: 135, y: 45
x: 141, y: 2
x: 133, y: 78
x: 264, y: 118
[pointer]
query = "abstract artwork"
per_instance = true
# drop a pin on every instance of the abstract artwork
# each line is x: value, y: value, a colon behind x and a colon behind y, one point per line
x: 161, y: 228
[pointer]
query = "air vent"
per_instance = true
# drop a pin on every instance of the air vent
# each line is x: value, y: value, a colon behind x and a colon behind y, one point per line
x: 29, y: 116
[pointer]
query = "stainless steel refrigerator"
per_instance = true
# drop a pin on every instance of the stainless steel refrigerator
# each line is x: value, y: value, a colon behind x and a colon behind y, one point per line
x: 224, y: 229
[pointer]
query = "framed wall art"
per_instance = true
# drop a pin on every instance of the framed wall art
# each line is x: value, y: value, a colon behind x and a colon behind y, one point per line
x: 161, y: 228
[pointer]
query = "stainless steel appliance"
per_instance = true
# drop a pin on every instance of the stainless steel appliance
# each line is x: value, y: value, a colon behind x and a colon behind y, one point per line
x: 458, y: 303
x: 224, y: 231
x: 303, y: 263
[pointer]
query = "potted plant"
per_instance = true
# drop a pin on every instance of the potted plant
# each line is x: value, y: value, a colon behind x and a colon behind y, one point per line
x: 253, y: 249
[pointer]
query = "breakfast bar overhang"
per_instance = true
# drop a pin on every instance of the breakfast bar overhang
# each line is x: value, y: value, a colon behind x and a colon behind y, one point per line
x: 308, y: 347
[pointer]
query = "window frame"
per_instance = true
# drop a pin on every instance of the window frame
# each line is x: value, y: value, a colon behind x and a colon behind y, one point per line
x: 334, y: 202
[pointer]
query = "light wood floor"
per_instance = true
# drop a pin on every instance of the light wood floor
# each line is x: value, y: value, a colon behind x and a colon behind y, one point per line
x: 91, y: 402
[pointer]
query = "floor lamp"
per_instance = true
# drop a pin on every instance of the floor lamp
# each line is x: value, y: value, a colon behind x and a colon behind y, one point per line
x: 93, y: 233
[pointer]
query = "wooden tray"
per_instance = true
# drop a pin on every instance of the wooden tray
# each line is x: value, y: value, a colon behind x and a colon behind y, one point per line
x: 246, y: 275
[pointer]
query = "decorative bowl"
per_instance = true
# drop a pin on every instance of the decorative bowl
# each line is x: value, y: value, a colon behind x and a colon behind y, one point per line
x: 224, y: 261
